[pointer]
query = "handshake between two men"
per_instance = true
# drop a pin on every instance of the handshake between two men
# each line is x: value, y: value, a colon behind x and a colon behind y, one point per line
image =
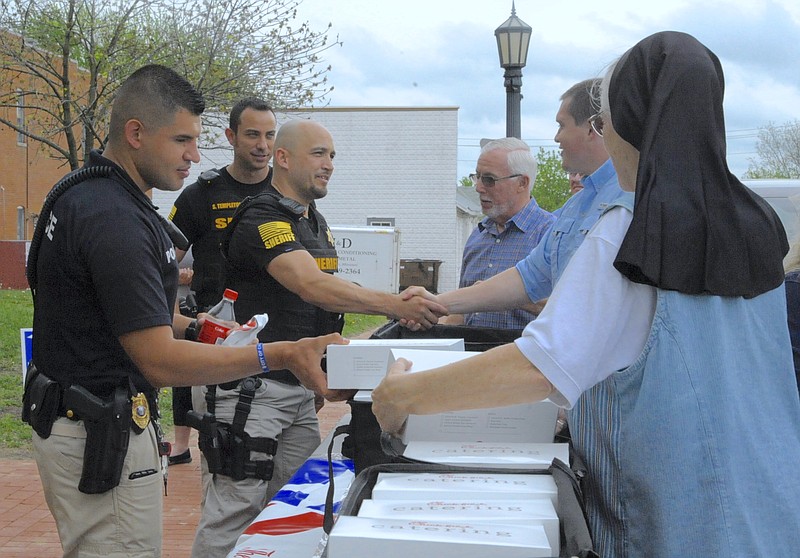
x: 415, y: 308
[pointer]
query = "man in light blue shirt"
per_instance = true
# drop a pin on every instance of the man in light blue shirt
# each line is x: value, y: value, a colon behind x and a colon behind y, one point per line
x: 545, y: 264
x: 533, y: 279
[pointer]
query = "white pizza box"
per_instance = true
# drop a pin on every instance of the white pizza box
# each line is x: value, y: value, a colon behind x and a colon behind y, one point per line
x: 510, y: 512
x: 481, y: 486
x: 362, y: 363
x: 526, y: 423
x: 353, y: 536
x: 523, y: 423
x: 488, y: 454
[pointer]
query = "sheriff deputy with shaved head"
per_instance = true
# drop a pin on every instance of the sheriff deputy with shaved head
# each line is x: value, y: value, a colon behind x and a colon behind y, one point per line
x: 281, y: 260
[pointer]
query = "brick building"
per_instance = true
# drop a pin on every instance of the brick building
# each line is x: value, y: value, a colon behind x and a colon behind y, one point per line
x: 28, y: 168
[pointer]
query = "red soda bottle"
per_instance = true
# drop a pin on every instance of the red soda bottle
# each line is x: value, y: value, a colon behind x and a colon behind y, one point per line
x: 214, y: 330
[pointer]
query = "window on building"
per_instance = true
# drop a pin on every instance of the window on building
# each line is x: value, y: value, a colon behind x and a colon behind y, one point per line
x: 380, y: 221
x: 21, y: 138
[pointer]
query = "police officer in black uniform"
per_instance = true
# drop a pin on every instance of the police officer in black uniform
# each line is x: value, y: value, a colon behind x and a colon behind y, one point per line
x: 202, y: 212
x: 281, y: 260
x: 103, y: 273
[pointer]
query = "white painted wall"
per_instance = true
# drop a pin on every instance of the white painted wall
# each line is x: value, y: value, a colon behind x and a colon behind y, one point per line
x: 468, y: 215
x: 390, y: 162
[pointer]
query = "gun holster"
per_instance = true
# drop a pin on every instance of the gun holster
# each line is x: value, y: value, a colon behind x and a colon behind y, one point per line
x: 108, y: 428
x: 227, y: 453
x: 40, y: 401
x: 211, y: 438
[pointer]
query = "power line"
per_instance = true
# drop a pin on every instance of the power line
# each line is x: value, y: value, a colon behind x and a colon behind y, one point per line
x: 731, y: 134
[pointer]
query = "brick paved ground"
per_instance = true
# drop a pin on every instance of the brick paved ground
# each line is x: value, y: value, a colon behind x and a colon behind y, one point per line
x: 27, y: 529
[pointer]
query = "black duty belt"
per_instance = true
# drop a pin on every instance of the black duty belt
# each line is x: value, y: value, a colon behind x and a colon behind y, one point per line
x: 282, y: 376
x: 143, y: 405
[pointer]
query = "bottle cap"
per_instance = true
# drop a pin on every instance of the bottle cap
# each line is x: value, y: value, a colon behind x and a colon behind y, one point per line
x: 231, y: 294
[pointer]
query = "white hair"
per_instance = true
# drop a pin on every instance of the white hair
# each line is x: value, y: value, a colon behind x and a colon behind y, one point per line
x: 519, y: 156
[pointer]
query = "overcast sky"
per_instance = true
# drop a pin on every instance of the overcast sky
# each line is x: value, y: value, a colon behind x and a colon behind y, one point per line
x: 442, y: 53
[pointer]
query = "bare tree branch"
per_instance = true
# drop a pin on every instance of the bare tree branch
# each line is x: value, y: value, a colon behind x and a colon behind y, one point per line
x: 778, y: 151
x: 68, y: 57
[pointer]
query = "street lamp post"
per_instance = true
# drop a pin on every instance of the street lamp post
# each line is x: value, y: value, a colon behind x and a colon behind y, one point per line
x: 513, y: 38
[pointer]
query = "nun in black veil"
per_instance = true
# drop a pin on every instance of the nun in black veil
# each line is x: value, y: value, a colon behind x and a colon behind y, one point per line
x: 681, y: 393
x: 696, y: 228
x: 702, y: 431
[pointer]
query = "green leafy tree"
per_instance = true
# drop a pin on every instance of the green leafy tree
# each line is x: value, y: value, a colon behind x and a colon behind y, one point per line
x: 69, y: 56
x: 551, y: 188
x: 778, y: 149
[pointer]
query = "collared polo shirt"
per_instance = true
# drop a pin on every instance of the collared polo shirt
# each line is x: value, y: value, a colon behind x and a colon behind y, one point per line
x: 489, y: 252
x: 545, y: 264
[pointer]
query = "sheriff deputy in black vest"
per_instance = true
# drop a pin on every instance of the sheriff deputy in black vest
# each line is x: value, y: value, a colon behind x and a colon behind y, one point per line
x: 281, y: 260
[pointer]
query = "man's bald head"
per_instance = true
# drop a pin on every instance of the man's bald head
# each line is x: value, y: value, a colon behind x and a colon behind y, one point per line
x: 303, y: 160
x: 298, y: 132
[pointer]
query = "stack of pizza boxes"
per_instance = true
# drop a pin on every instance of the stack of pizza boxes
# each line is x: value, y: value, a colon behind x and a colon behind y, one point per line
x: 491, y: 513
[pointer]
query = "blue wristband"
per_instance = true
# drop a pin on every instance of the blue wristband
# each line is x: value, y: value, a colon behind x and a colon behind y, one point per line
x: 261, y: 358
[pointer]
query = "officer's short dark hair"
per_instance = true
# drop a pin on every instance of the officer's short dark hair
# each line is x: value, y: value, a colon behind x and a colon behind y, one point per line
x: 153, y: 94
x: 583, y: 101
x: 248, y: 102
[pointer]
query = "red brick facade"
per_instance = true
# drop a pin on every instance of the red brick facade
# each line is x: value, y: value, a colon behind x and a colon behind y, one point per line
x: 28, y: 169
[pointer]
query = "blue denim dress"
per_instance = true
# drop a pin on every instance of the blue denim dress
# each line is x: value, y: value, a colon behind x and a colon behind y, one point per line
x: 694, y: 450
